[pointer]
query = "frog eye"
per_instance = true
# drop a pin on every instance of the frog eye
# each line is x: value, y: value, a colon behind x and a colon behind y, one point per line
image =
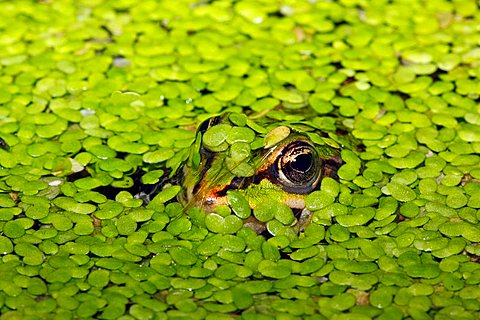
x: 297, y: 168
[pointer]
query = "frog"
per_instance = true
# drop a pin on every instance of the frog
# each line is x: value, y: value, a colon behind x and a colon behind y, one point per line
x: 271, y: 162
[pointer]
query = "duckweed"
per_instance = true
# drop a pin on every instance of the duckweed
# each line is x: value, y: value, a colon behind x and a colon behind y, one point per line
x: 100, y: 107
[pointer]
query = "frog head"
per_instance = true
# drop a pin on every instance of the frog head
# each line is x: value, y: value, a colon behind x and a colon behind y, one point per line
x: 261, y: 162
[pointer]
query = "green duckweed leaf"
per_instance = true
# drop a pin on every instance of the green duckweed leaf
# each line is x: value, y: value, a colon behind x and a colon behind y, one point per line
x: 223, y: 225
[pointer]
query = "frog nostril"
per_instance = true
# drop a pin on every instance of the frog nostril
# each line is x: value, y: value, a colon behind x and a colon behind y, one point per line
x: 210, y: 122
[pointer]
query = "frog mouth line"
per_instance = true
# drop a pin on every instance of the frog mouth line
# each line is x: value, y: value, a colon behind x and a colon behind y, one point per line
x: 329, y: 169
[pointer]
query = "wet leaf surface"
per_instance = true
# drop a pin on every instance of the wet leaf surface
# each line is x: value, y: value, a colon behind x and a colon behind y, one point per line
x: 108, y: 97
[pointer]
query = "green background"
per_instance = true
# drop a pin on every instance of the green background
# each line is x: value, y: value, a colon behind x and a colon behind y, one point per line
x: 98, y: 89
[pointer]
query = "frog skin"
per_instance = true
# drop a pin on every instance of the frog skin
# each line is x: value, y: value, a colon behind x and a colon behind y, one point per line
x: 285, y: 172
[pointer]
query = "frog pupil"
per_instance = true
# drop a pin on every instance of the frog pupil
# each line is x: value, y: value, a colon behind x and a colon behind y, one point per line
x: 298, y: 167
x: 302, y: 162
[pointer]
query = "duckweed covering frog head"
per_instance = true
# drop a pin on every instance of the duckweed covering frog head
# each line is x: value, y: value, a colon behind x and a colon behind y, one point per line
x: 238, y: 164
